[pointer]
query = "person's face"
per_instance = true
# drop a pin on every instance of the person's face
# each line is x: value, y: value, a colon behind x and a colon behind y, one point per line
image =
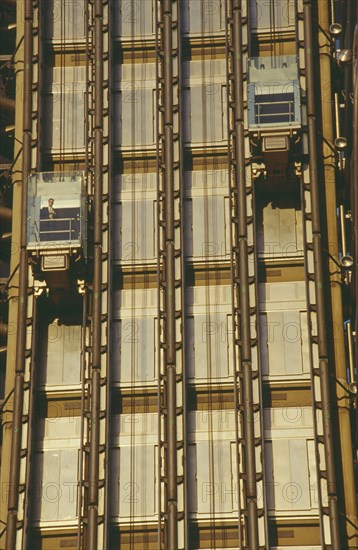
x: 50, y: 202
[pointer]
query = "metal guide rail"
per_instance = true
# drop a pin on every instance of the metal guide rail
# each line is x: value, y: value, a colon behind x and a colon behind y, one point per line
x: 171, y: 526
x: 22, y: 419
x: 320, y: 375
x: 249, y: 428
x: 94, y: 397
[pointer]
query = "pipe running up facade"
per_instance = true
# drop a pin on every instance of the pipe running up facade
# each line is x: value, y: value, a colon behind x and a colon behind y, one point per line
x: 18, y: 401
x: 169, y: 276
x: 319, y: 283
x: 242, y: 243
x: 93, y: 490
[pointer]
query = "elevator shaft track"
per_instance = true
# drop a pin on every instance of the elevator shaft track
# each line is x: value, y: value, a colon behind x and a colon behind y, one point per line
x: 249, y: 425
x: 170, y: 381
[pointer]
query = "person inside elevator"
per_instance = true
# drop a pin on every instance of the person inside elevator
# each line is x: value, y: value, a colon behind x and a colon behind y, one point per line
x: 59, y: 224
x: 51, y: 210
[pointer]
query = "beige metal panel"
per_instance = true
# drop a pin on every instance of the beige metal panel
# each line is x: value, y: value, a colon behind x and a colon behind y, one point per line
x: 210, y: 181
x: 203, y: 17
x: 295, y: 547
x: 134, y: 186
x: 134, y: 235
x: 133, y: 482
x: 140, y: 300
x: 212, y: 464
x: 60, y: 355
x: 207, y: 346
x: 56, y: 485
x: 212, y: 478
x: 56, y: 470
x: 291, y: 480
x: 204, y: 108
x: 133, y: 350
x: 279, y: 14
x: 284, y: 332
x: 289, y: 484
x: 134, y: 117
x: 206, y: 228
x: 284, y: 345
x: 132, y: 76
x: 134, y: 19
x: 64, y: 108
x: 64, y: 20
x: 279, y: 233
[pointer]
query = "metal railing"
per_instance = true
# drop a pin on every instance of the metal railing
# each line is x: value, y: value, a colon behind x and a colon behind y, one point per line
x: 279, y: 115
x: 60, y: 233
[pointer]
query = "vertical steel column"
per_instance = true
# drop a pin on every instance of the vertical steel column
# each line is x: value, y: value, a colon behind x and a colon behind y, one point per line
x: 324, y: 372
x: 18, y: 400
x: 170, y: 332
x: 170, y: 292
x: 245, y: 332
x: 244, y: 271
x: 95, y: 406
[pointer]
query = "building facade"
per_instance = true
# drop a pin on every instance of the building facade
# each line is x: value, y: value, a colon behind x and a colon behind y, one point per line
x: 178, y: 281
